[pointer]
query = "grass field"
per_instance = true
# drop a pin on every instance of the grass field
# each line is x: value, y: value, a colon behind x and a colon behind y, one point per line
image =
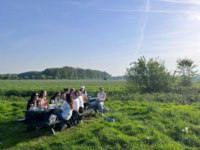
x: 26, y: 87
x: 155, y: 121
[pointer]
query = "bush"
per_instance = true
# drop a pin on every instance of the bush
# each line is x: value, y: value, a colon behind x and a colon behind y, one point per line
x: 149, y: 76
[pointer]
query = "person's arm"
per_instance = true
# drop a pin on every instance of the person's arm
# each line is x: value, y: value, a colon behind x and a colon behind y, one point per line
x: 104, y: 97
x: 34, y: 103
x: 76, y: 104
x: 57, y: 111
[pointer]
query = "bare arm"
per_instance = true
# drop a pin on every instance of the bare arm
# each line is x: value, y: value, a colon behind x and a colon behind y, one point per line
x: 104, y: 97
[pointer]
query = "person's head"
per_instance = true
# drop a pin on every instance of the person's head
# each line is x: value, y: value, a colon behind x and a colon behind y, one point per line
x: 43, y: 94
x: 101, y: 89
x: 82, y: 89
x: 70, y: 101
x: 66, y: 90
x: 71, y: 90
x: 56, y: 94
x: 34, y: 96
x: 76, y: 94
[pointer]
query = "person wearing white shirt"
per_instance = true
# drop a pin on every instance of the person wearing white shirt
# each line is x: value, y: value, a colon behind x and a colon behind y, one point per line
x: 83, y: 93
x: 101, y: 97
x: 76, y: 115
x: 64, y: 112
x: 81, y: 105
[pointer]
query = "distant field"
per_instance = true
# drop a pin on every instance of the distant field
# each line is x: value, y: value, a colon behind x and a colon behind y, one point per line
x: 26, y: 87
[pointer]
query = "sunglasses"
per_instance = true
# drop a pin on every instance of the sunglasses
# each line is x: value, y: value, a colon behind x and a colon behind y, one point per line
x: 36, y: 95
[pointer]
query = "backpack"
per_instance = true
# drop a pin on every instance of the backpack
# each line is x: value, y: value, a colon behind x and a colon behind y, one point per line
x: 105, y: 110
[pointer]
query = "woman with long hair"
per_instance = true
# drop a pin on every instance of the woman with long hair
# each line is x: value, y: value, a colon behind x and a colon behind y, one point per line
x: 55, y: 97
x: 64, y: 112
x: 31, y: 103
x: 101, y: 97
x: 71, y: 91
x: 66, y: 91
x: 42, y: 98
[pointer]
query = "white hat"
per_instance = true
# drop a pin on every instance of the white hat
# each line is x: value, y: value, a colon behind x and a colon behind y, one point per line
x: 82, y: 87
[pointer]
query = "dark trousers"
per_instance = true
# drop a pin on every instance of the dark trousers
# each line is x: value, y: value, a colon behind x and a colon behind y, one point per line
x: 81, y: 110
x: 75, y: 117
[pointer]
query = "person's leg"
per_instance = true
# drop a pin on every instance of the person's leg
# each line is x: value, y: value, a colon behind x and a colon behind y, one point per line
x: 60, y: 117
x: 93, y: 105
x: 100, y: 106
x: 81, y: 110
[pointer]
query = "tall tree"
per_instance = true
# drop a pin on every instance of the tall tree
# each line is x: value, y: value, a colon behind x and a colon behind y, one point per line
x: 1, y: 76
x: 7, y: 76
x: 185, y: 69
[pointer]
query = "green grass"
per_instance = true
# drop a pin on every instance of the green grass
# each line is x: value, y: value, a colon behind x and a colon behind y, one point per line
x: 26, y: 87
x: 134, y: 122
x: 142, y: 121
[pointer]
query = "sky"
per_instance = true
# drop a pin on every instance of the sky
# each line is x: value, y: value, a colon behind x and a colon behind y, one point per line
x: 105, y: 35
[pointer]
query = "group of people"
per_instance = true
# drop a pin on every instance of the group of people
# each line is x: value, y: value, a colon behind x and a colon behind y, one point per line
x: 72, y: 107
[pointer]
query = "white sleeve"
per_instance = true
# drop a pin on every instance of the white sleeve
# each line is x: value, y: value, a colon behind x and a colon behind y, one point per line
x: 86, y: 93
x: 63, y: 107
x: 76, y: 103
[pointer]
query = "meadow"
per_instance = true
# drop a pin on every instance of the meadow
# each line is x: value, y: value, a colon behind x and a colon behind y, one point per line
x: 158, y: 121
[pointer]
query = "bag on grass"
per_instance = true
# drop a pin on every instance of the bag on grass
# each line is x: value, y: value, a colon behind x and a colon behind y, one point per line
x: 105, y: 110
x: 52, y: 118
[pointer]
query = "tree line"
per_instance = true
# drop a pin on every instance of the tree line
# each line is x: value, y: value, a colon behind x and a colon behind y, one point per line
x: 69, y: 73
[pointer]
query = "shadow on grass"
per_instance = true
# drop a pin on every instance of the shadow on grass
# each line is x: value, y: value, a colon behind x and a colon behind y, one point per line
x: 13, y: 133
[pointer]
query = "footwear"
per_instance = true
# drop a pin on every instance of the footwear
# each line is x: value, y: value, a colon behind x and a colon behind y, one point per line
x: 102, y: 115
x: 63, y: 128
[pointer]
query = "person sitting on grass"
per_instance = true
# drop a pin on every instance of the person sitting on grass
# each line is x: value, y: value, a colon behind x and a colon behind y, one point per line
x: 42, y: 98
x: 66, y: 91
x: 31, y: 103
x: 55, y: 97
x: 101, y: 96
x: 64, y: 112
x: 76, y: 115
x: 83, y: 92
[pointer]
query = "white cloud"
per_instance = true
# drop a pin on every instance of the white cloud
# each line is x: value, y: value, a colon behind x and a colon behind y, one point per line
x: 143, y: 28
x: 193, y: 16
x: 183, y: 1
x: 135, y: 10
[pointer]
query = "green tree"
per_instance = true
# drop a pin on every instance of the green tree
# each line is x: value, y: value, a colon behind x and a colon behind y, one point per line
x: 26, y: 77
x: 58, y: 75
x: 7, y: 76
x: 43, y: 77
x: 15, y: 77
x: 1, y: 76
x: 49, y: 77
x: 33, y: 77
x: 149, y: 76
x: 185, y: 69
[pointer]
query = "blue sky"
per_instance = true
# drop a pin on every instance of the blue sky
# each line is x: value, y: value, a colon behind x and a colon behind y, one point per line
x: 105, y: 35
